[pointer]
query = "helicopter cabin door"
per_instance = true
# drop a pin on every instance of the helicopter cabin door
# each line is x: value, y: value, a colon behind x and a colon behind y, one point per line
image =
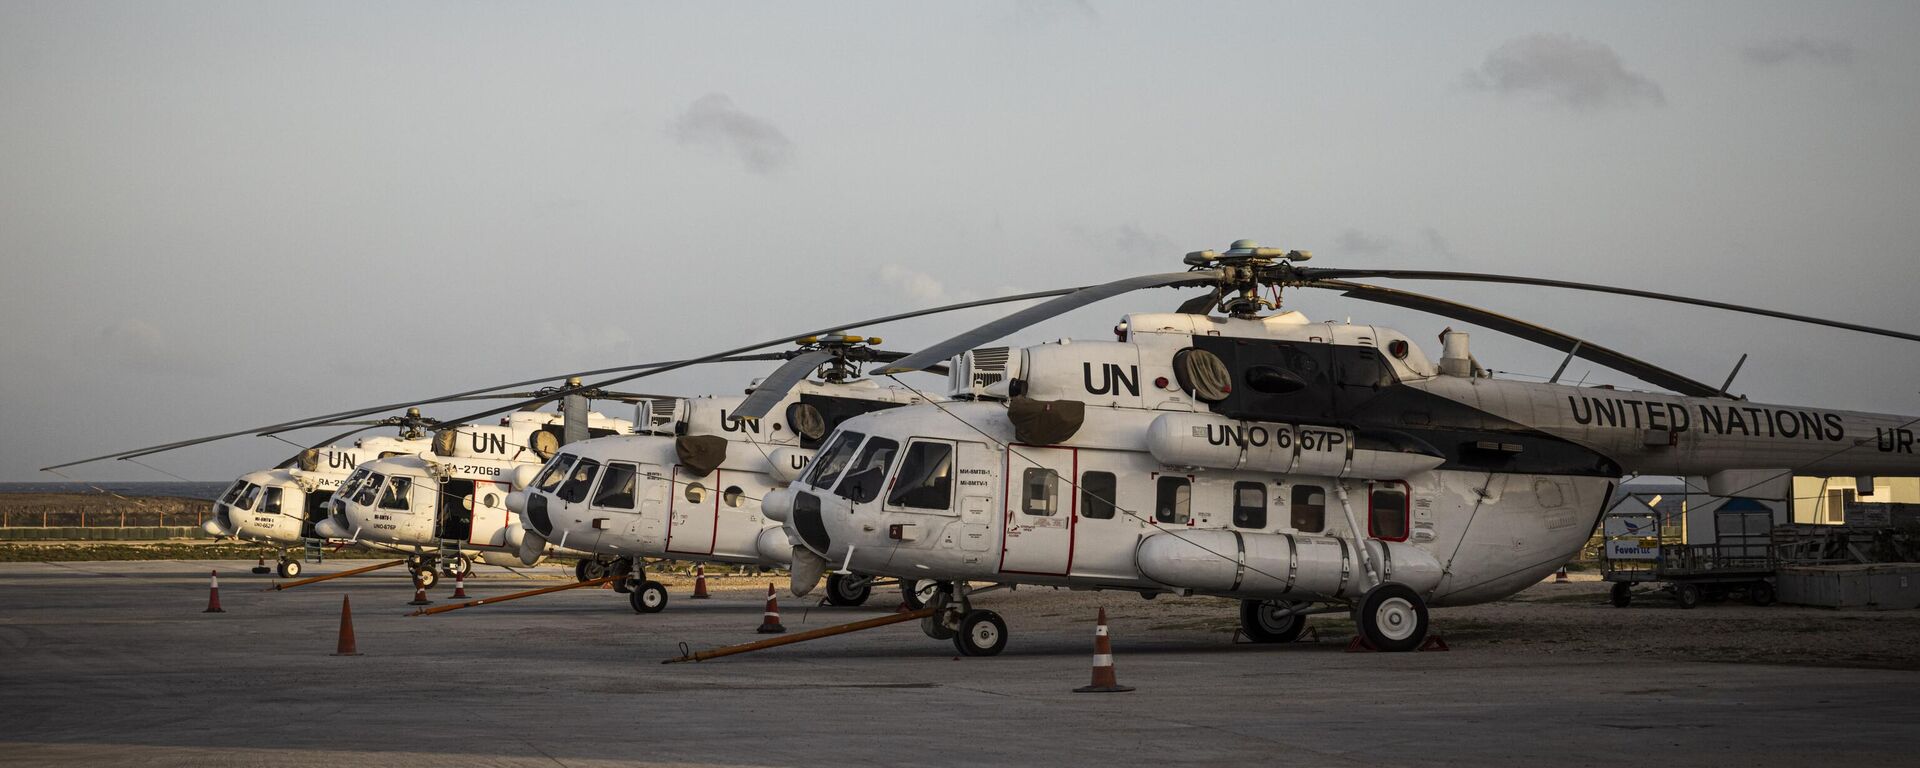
x: 1037, y: 535
x: 488, y: 517
x: 693, y: 513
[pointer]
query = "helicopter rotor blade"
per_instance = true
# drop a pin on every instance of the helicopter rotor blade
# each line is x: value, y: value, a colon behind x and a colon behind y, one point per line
x: 776, y: 385
x: 1202, y: 304
x: 1005, y: 326
x: 786, y: 340
x: 1316, y: 273
x: 1541, y: 335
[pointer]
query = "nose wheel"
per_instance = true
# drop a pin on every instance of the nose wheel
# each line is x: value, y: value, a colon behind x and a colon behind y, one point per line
x: 981, y: 633
x: 848, y: 590
x: 918, y: 593
x: 1272, y: 621
x: 288, y: 568
x: 424, y: 575
x: 651, y: 597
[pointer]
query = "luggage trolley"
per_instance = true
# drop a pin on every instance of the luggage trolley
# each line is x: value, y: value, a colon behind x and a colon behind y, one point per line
x: 1646, y: 546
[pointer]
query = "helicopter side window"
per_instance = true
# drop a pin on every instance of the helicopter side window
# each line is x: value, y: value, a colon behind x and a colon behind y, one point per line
x: 1040, y: 491
x: 398, y: 493
x: 866, y: 475
x: 248, y: 497
x: 233, y: 494
x: 1173, y: 500
x: 369, y: 488
x: 827, y: 466
x: 578, y: 481
x: 1250, y: 505
x: 616, y: 489
x: 555, y: 472
x: 271, y: 503
x: 1359, y: 375
x: 1387, y: 513
x: 1096, y: 494
x: 1309, y: 508
x: 926, y: 477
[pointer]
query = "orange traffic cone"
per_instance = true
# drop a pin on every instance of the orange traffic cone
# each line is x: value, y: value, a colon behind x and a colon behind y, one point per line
x: 1103, y: 679
x: 213, y: 594
x: 459, y: 586
x: 1561, y: 577
x: 419, y: 593
x: 700, y: 581
x: 770, y: 621
x: 346, y: 646
x: 260, y: 565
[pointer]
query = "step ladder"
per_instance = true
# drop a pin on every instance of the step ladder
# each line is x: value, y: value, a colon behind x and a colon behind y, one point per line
x: 316, y: 549
x: 449, y: 553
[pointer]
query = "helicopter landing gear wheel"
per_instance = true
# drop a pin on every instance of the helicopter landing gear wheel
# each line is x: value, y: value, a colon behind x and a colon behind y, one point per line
x: 982, y: 633
x: 426, y: 577
x: 1622, y: 594
x: 580, y: 570
x: 1392, y: 617
x: 848, y: 590
x: 917, y: 593
x: 1272, y: 621
x: 458, y: 567
x: 289, y: 569
x: 594, y: 569
x: 651, y: 597
x: 1688, y: 595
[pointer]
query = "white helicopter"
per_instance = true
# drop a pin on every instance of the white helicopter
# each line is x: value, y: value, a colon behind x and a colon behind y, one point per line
x: 446, y: 506
x: 280, y: 506
x: 1300, y: 467
x: 688, y: 486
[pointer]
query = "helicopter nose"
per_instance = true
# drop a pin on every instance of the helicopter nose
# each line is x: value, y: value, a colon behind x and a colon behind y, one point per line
x: 213, y: 527
x: 777, y: 504
x: 330, y: 528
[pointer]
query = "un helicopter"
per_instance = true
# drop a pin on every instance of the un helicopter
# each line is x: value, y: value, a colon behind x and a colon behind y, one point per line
x: 1300, y: 467
x: 278, y: 507
x: 687, y: 486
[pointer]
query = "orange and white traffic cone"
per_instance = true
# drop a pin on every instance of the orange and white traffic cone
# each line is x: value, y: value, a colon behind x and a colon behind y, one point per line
x: 1561, y: 577
x: 770, y: 621
x: 419, y: 593
x: 700, y: 581
x: 346, y: 646
x: 1103, y: 679
x: 213, y: 594
x: 260, y: 565
x: 459, y: 586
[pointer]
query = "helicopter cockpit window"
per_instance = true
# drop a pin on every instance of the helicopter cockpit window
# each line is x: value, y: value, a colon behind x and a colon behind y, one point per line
x: 868, y: 474
x: 555, y: 472
x: 1309, y: 508
x: 369, y: 488
x: 616, y: 488
x: 1250, y: 505
x: 578, y: 481
x: 827, y: 466
x: 270, y: 503
x: 1173, y: 500
x: 926, y: 477
x: 248, y: 497
x: 233, y: 494
x: 398, y: 493
x: 1387, y: 514
x: 1039, y: 492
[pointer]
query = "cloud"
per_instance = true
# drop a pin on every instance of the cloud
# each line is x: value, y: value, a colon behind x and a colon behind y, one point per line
x: 923, y: 288
x: 713, y: 121
x: 1792, y: 50
x: 1573, y: 72
x: 1357, y: 243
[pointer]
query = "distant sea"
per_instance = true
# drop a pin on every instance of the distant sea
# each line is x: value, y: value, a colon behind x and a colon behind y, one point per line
x: 186, y: 490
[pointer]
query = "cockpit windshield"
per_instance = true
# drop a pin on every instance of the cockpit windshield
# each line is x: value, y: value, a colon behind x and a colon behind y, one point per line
x: 233, y: 494
x: 867, y: 474
x: 247, y: 497
x: 351, y: 484
x: 555, y: 472
x: 832, y: 459
x: 369, y: 488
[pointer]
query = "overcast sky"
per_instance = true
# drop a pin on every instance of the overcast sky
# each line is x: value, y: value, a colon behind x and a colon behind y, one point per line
x: 218, y: 215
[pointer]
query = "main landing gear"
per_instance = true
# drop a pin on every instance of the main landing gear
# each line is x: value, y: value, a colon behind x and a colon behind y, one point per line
x: 1273, y: 621
x: 974, y: 631
x: 1392, y: 617
x: 646, y: 596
